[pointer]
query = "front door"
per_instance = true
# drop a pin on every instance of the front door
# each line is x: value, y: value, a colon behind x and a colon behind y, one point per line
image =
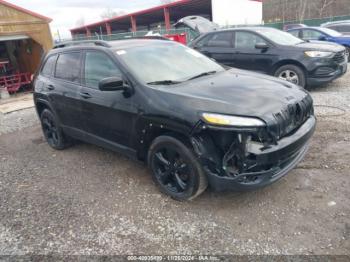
x: 108, y: 115
x: 247, y: 56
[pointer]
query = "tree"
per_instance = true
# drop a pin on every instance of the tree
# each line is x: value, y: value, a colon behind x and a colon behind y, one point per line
x: 110, y: 13
x: 80, y: 22
x: 163, y: 2
x: 324, y: 5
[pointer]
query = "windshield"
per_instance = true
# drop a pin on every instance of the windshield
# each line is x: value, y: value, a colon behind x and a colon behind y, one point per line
x: 330, y: 32
x: 166, y: 61
x: 280, y: 37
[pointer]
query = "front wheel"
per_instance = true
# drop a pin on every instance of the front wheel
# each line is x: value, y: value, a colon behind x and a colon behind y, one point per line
x: 291, y: 73
x: 175, y: 169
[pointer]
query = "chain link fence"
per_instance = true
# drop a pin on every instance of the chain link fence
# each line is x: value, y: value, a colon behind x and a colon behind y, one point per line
x: 190, y: 34
x: 309, y: 22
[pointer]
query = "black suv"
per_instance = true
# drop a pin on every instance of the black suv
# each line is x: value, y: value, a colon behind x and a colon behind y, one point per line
x: 191, y: 120
x: 276, y: 53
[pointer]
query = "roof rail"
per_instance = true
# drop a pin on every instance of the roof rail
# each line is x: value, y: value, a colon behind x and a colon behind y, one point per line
x: 82, y: 43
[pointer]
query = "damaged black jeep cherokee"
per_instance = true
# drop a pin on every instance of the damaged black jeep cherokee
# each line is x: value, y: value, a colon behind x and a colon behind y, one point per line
x: 194, y: 122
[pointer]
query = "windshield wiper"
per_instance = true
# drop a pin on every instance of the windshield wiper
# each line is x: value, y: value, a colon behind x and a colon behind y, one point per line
x: 164, y: 82
x: 203, y: 74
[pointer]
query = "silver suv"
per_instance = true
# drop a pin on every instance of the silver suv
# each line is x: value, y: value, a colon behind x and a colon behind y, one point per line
x: 340, y: 26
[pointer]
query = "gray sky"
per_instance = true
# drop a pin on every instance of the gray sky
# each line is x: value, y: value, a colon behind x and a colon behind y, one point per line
x: 65, y: 13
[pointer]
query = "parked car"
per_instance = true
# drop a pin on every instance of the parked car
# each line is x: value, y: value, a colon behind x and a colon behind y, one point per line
x: 192, y: 121
x: 339, y: 26
x: 276, y: 53
x: 322, y: 34
x: 292, y: 26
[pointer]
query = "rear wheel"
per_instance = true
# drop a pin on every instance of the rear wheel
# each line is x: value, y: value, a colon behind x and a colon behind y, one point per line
x: 175, y: 169
x: 291, y: 73
x: 52, y: 131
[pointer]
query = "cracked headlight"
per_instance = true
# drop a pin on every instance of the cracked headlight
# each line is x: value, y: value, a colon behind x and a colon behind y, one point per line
x: 318, y: 54
x: 235, y: 121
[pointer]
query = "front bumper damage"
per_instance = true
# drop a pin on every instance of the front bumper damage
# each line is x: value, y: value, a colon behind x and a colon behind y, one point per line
x: 247, y: 164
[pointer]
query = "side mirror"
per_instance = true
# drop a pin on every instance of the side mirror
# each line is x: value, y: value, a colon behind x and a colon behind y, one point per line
x: 111, y: 84
x: 322, y: 38
x: 261, y: 46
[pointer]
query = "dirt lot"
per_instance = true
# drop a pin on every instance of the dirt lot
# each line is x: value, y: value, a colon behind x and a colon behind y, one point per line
x: 86, y: 200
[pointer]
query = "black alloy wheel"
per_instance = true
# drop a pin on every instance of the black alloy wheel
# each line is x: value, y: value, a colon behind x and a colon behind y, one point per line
x: 172, y: 171
x: 175, y: 169
x: 52, y: 131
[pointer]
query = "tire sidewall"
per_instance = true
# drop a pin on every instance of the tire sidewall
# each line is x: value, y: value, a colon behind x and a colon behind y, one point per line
x: 61, y: 141
x: 297, y: 70
x: 188, y: 156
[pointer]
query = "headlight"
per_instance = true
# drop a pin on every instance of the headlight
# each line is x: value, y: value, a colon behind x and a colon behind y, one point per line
x: 318, y: 54
x: 235, y: 121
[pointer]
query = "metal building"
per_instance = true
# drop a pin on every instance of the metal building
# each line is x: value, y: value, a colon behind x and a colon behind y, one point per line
x: 163, y: 16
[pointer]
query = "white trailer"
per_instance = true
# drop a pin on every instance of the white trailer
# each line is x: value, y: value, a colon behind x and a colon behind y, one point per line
x: 237, y: 12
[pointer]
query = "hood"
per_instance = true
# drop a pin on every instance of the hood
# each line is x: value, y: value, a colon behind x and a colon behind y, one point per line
x: 197, y: 23
x: 321, y: 46
x: 344, y: 39
x: 235, y: 92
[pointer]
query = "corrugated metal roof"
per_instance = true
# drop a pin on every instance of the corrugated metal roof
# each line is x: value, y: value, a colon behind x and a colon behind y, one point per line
x: 185, y: 4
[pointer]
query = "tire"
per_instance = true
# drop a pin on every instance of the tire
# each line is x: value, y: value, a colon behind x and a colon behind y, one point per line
x: 348, y: 52
x: 52, y: 131
x: 292, y: 73
x: 175, y: 169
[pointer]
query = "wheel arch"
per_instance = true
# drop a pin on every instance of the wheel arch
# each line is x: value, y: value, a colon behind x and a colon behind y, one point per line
x: 151, y: 130
x: 288, y: 62
x: 41, y: 105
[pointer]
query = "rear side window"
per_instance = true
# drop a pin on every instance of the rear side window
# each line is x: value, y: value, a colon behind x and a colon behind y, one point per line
x: 223, y: 39
x: 204, y: 41
x: 98, y: 66
x: 343, y: 28
x: 48, y: 66
x: 295, y: 33
x: 68, y: 67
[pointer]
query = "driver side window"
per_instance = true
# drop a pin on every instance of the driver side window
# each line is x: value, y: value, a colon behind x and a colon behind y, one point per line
x: 98, y: 66
x: 247, y: 40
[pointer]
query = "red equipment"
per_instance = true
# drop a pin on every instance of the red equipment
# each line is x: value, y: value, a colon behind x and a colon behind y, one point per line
x: 12, y: 83
x: 181, y: 38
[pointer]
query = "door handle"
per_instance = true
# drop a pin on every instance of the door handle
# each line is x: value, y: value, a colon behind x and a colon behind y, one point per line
x: 85, y: 95
x: 50, y: 87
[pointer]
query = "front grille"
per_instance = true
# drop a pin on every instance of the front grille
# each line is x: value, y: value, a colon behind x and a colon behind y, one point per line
x: 339, y: 57
x: 292, y: 117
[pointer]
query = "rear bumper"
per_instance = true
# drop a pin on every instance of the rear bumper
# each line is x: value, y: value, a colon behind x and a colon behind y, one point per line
x: 283, y: 157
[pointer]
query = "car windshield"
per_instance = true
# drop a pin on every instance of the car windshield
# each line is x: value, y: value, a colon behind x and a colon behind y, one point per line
x: 167, y: 63
x: 330, y: 32
x: 280, y: 37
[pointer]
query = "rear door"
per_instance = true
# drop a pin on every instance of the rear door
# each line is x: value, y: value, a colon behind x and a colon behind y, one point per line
x: 64, y: 89
x: 246, y: 56
x: 108, y: 116
x: 218, y: 46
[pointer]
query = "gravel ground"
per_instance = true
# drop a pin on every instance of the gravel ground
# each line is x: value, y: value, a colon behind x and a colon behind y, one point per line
x: 86, y: 200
